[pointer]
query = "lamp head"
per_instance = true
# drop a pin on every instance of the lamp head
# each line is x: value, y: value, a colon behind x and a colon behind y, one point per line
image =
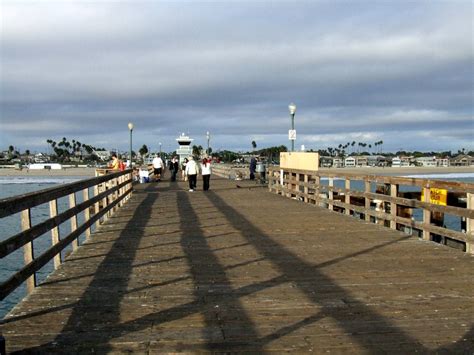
x: 130, y: 126
x: 292, y: 108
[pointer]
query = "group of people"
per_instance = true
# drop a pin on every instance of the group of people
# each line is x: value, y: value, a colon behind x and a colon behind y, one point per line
x: 190, y: 170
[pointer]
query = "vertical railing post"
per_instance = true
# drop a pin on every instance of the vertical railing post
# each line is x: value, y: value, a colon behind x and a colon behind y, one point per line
x: 53, y: 212
x: 72, y: 204
x: 393, y: 206
x: 367, y: 199
x: 347, y: 196
x: 96, y: 205
x: 426, y: 212
x: 306, y: 189
x: 317, y: 192
x: 297, y: 185
x: 28, y: 254
x: 331, y: 194
x: 87, y: 214
x: 470, y: 225
x: 103, y: 188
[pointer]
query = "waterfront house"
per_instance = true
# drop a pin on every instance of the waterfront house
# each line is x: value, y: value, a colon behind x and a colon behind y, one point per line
x: 462, y: 160
x: 350, y: 162
x: 103, y: 155
x: 326, y: 162
x: 337, y: 162
x: 362, y: 160
x: 426, y: 161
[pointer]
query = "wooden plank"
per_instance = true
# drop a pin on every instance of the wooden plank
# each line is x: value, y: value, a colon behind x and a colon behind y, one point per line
x: 18, y: 278
x: 28, y: 253
x: 55, y: 238
x: 72, y: 204
x: 87, y: 215
x: 17, y: 241
x: 12, y: 205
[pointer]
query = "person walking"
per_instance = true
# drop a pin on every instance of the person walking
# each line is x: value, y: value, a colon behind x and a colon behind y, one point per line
x: 206, y: 173
x: 157, y: 167
x: 191, y: 172
x: 253, y: 167
x: 174, y: 167
x: 183, y: 169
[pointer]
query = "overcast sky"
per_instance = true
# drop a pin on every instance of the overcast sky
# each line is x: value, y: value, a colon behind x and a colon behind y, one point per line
x: 397, y: 71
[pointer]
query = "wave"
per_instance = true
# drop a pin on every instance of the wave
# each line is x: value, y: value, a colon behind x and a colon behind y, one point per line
x: 38, y: 180
x: 442, y: 176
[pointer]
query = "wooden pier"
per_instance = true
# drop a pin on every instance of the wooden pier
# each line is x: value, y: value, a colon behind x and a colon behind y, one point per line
x: 239, y: 269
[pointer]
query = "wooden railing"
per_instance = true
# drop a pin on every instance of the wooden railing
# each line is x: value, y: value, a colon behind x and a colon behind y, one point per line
x: 381, y: 200
x: 109, y: 192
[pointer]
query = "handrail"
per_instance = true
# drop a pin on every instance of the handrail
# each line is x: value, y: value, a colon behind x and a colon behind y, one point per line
x: 306, y: 185
x: 109, y: 192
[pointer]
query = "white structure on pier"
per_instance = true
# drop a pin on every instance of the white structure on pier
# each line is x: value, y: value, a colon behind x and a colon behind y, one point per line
x: 184, y: 150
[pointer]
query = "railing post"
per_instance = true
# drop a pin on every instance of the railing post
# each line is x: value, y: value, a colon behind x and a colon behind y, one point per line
x: 306, y: 189
x: 367, y: 199
x: 53, y: 212
x: 347, y: 196
x: 393, y: 206
x: 317, y: 191
x: 426, y: 212
x: 103, y: 188
x: 297, y: 184
x: 96, y: 205
x: 470, y: 225
x: 331, y: 194
x: 87, y: 214
x: 72, y: 204
x: 28, y: 254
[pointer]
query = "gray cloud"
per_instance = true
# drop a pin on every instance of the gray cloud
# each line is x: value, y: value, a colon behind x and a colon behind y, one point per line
x: 396, y: 71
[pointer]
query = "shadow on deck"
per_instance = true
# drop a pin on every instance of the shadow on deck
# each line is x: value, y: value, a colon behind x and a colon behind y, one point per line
x: 240, y: 269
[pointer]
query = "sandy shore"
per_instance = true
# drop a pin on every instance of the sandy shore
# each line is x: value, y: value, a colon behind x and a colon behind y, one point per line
x: 365, y: 170
x: 89, y: 172
x: 402, y: 171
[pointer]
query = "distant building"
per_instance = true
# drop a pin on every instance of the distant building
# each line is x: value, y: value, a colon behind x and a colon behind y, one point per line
x: 443, y: 162
x: 326, y: 162
x: 426, y: 161
x: 350, y: 162
x: 400, y: 162
x: 337, y: 162
x: 103, y: 155
x: 362, y: 160
x: 462, y: 160
x: 184, y: 150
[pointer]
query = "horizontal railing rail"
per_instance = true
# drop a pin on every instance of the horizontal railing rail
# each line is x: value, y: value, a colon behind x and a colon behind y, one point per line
x: 109, y: 190
x: 388, y: 204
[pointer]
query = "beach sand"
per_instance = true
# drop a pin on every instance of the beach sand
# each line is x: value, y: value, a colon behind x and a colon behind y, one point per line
x: 86, y: 172
x: 401, y: 171
x: 90, y: 172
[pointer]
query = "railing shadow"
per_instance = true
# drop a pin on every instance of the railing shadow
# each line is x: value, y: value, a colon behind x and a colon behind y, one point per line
x: 84, y: 330
x: 308, y: 278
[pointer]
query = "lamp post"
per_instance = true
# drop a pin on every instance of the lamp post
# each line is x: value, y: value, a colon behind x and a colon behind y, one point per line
x: 292, y: 135
x: 208, y: 136
x: 130, y: 128
x: 160, y: 149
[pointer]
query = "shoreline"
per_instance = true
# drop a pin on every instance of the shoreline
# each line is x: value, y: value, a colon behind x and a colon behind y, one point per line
x: 90, y: 172
x: 86, y: 172
x: 402, y: 171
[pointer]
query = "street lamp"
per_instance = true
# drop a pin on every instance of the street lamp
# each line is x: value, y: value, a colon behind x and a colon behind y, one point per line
x: 208, y: 136
x: 292, y: 133
x: 160, y: 149
x: 130, y: 128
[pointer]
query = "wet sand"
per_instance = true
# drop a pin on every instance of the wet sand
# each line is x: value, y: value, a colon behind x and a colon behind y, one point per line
x: 88, y: 172
x: 402, y: 171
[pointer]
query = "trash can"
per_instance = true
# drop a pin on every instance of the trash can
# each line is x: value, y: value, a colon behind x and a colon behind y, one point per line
x: 260, y: 169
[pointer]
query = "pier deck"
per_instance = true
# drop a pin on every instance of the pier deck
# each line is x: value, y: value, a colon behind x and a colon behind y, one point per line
x: 241, y: 269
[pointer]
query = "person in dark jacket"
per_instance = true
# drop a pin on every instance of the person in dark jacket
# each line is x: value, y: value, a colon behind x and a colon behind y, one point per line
x: 253, y: 167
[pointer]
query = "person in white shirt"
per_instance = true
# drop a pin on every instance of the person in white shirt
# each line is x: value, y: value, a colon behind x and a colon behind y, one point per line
x: 191, y: 172
x: 206, y: 173
x: 157, y: 167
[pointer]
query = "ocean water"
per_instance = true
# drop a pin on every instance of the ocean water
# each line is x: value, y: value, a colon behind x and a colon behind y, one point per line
x: 9, y: 226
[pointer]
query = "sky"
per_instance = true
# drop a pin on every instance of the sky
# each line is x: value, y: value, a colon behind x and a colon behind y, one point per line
x: 397, y: 71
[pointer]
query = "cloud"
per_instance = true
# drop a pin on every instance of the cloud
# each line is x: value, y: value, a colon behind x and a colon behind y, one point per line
x: 75, y: 68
